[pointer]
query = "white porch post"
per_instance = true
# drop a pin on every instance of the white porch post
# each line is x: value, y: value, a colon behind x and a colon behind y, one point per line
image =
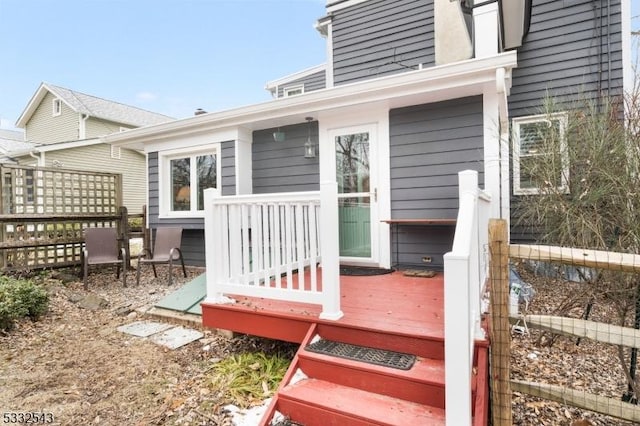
x: 213, y: 249
x: 330, y: 251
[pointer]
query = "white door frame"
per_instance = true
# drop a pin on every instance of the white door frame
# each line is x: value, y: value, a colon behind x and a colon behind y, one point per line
x: 373, y: 118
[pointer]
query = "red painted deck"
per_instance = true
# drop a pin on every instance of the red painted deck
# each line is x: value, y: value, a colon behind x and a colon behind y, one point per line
x: 392, y: 303
x: 393, y: 312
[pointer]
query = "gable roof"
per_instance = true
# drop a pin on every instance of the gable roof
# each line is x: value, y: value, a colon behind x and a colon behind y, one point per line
x: 93, y: 107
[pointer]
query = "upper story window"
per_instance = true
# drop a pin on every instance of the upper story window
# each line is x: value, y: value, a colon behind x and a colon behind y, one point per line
x: 57, y: 107
x: 184, y: 177
x: 293, y: 90
x: 540, y: 158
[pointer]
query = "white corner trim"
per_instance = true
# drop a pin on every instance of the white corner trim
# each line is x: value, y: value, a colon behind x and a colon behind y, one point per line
x: 628, y: 83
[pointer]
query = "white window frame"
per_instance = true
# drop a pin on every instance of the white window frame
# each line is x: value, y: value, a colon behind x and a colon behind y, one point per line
x: 165, y: 185
x: 287, y: 91
x: 56, y: 107
x: 562, y: 118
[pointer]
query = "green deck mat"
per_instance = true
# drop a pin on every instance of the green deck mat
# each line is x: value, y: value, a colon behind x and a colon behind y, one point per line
x: 187, y: 298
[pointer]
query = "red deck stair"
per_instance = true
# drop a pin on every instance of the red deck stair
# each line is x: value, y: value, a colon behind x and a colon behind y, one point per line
x: 390, y: 312
x: 346, y: 392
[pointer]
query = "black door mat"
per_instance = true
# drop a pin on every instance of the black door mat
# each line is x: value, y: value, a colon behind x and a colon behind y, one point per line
x: 363, y: 354
x: 363, y: 271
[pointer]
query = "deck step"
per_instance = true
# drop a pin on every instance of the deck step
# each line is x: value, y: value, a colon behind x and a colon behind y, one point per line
x: 426, y: 347
x: 315, y: 402
x: 423, y: 383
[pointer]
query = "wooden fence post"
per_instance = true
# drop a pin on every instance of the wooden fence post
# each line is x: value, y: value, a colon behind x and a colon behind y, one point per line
x: 499, y: 324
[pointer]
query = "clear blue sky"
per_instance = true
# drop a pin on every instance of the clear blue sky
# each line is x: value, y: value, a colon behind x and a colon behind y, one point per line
x: 167, y: 56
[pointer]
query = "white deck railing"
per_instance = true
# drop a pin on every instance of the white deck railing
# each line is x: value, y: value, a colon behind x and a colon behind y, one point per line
x: 260, y: 246
x: 465, y: 277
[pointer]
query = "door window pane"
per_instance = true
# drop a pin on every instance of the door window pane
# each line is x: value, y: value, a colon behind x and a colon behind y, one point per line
x: 352, y: 163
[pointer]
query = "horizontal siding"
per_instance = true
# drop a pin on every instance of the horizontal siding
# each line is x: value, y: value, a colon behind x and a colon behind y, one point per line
x: 228, y: 166
x: 381, y: 37
x: 131, y: 165
x: 566, y: 55
x: 95, y: 127
x: 281, y: 166
x: 42, y: 127
x: 429, y: 145
x: 315, y: 81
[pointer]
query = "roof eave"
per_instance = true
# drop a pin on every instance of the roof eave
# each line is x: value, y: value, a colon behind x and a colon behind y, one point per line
x: 443, y: 77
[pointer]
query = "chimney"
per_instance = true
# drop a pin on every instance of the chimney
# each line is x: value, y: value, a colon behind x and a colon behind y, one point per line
x: 199, y: 111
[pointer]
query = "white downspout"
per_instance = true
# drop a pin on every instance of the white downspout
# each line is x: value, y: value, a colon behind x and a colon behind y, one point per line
x: 82, y: 130
x: 39, y: 158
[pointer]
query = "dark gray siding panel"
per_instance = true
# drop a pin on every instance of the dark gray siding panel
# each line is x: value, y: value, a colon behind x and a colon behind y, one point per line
x: 566, y: 55
x: 193, y: 247
x: 315, y: 81
x: 281, y: 166
x: 570, y: 54
x: 153, y: 204
x: 429, y: 145
x: 228, y: 178
x: 381, y: 37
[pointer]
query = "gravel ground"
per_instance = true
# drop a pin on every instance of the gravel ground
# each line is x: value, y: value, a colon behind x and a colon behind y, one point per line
x: 590, y: 366
x: 74, y: 364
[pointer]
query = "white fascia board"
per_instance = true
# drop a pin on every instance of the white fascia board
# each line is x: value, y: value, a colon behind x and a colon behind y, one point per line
x: 448, y: 81
x: 273, y: 84
x: 193, y: 140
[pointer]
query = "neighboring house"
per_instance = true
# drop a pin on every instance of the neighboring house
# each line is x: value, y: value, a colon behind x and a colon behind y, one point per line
x: 63, y: 127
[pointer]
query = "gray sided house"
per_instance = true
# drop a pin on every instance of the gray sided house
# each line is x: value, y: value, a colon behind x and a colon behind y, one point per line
x: 63, y: 129
x: 406, y: 100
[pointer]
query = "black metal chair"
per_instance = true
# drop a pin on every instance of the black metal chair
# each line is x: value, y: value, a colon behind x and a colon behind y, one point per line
x: 166, y: 249
x: 101, y: 248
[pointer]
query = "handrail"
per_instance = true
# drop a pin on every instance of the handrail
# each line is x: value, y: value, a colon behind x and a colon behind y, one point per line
x: 465, y: 273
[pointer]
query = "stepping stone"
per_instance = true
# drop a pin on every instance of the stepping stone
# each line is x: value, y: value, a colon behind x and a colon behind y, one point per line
x: 176, y: 337
x: 144, y: 328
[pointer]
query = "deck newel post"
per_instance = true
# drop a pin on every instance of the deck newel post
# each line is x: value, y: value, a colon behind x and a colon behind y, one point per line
x: 330, y: 249
x: 212, y: 221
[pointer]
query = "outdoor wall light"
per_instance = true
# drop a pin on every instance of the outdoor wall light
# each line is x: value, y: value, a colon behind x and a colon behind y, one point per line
x: 278, y: 136
x: 309, y: 146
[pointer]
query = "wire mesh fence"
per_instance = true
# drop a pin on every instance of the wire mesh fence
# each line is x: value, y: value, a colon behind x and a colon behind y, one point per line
x: 564, y: 336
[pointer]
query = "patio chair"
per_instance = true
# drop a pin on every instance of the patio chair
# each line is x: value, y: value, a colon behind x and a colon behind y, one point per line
x: 166, y: 249
x: 101, y: 248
